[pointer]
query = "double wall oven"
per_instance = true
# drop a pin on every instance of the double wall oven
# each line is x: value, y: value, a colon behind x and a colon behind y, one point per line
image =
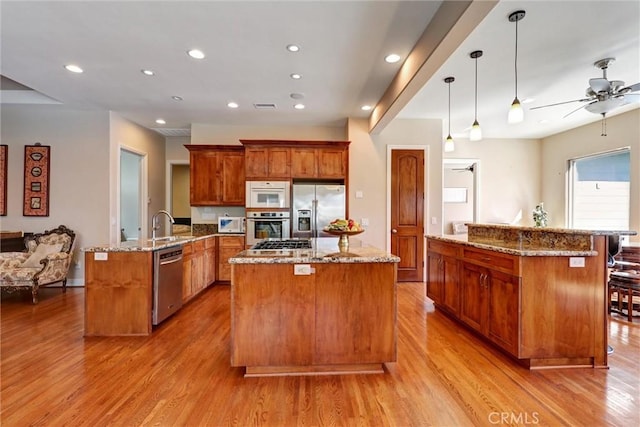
x: 268, y: 207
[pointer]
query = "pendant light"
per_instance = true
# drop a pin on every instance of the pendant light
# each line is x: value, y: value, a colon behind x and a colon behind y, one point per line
x: 476, y: 132
x: 448, y: 143
x: 516, y: 114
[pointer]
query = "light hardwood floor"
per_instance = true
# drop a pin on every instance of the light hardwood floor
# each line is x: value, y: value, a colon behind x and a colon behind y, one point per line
x: 180, y: 376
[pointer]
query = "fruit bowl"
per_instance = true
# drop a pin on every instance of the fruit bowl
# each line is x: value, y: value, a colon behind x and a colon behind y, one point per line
x: 343, y: 242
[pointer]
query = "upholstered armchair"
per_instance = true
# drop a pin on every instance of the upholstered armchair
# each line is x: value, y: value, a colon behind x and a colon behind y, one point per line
x: 46, y: 261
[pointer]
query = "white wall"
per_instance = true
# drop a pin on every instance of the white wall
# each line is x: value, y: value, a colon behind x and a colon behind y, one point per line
x: 79, y: 172
x: 509, y: 178
x: 623, y: 130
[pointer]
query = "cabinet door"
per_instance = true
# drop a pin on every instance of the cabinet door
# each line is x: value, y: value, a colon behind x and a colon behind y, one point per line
x: 228, y: 246
x: 279, y: 165
x: 256, y: 162
x: 434, y: 277
x: 187, y: 254
x: 197, y: 267
x: 332, y: 163
x: 503, y: 326
x: 209, y: 261
x: 451, y: 285
x: 303, y: 163
x: 204, y: 179
x: 473, y: 296
x: 232, y: 179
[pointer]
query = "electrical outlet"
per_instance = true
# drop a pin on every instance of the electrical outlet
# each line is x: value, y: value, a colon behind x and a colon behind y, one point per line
x: 302, y: 269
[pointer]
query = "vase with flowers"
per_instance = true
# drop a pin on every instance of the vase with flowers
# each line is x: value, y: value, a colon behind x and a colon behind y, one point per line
x: 540, y: 216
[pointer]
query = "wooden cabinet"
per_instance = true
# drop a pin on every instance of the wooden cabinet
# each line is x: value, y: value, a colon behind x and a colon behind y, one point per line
x: 443, y: 278
x: 323, y: 162
x: 228, y: 246
x: 490, y: 304
x: 296, y: 159
x: 217, y: 175
x: 198, y: 266
x: 267, y: 162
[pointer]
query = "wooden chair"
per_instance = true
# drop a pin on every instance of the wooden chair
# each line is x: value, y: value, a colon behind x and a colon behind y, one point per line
x: 624, y: 283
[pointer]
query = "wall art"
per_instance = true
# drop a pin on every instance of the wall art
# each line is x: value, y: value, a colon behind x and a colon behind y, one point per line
x: 36, y: 180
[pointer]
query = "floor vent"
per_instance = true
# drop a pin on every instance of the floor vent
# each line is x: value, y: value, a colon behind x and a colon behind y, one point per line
x: 264, y: 106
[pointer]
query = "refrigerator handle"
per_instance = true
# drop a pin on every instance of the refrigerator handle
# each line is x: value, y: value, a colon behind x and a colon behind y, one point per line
x: 314, y: 226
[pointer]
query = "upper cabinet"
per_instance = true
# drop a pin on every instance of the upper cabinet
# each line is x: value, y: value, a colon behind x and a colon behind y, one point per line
x: 217, y: 175
x: 284, y: 159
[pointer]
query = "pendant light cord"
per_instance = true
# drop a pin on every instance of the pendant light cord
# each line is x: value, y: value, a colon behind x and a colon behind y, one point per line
x: 515, y: 65
x: 449, y: 108
x: 476, y: 100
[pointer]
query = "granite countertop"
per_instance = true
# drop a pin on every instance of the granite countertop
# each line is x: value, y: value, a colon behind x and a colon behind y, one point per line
x: 555, y: 230
x: 150, y: 245
x: 324, y: 250
x: 511, y: 249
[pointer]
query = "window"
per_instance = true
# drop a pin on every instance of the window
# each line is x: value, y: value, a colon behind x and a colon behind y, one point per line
x: 599, y: 191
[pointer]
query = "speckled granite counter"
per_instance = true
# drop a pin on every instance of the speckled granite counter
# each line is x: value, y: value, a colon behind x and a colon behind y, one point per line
x: 150, y: 245
x: 324, y: 250
x: 531, y: 241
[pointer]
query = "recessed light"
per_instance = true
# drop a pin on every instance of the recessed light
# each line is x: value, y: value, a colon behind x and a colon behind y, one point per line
x: 232, y: 105
x: 293, y: 48
x: 392, y: 59
x: 366, y: 107
x: 147, y: 72
x: 73, y: 68
x: 299, y: 106
x: 176, y: 98
x: 196, y: 53
x: 161, y: 121
x: 296, y: 76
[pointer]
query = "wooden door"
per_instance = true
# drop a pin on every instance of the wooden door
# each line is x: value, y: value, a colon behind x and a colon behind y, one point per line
x: 407, y: 213
x: 233, y: 181
x: 204, y: 178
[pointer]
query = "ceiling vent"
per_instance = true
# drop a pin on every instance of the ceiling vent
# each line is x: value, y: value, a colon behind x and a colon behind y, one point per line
x: 264, y: 106
x: 172, y: 132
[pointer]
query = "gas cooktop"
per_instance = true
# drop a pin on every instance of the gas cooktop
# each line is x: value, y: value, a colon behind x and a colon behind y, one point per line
x: 283, y: 244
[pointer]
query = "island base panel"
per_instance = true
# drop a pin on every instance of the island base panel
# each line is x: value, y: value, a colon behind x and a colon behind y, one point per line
x: 273, y: 371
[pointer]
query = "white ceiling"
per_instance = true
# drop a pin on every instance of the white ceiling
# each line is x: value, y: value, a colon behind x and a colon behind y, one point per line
x: 342, y: 46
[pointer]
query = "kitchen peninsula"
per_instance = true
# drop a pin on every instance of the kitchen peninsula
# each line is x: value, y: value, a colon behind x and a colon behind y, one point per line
x: 313, y: 311
x: 538, y: 294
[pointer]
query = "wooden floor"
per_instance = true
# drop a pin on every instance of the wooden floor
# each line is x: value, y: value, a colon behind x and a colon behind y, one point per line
x: 180, y: 376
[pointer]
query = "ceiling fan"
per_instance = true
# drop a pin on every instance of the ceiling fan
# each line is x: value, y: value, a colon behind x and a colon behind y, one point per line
x: 602, y: 95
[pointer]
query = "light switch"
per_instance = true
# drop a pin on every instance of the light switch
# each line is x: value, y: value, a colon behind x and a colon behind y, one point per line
x: 359, y: 194
x: 364, y: 222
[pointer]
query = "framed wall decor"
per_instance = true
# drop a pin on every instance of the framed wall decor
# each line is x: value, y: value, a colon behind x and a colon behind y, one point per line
x: 36, y: 180
x: 4, y: 152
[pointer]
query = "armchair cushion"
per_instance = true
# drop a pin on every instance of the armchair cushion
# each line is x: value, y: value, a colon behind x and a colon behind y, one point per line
x: 41, y: 252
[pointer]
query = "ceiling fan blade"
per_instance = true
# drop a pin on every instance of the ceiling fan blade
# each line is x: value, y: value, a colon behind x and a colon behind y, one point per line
x: 600, y: 85
x: 632, y: 88
x: 560, y: 103
x: 577, y: 109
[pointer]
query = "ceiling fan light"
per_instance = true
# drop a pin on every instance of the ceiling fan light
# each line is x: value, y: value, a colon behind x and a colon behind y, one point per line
x: 449, y: 146
x: 476, y: 133
x: 516, y: 113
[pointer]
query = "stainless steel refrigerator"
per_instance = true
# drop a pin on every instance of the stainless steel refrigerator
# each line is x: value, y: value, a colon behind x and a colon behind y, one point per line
x: 314, y: 206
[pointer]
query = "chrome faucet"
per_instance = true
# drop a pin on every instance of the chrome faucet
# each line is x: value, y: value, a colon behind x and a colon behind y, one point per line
x: 156, y: 226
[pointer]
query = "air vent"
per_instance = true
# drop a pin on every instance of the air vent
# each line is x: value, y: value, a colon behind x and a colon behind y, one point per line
x: 173, y: 132
x: 264, y: 106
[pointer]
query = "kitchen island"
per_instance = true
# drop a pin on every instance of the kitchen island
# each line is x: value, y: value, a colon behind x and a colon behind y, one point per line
x: 538, y: 294
x: 313, y: 311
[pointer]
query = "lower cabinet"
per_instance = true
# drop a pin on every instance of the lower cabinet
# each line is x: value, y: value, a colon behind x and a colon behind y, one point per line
x: 443, y: 285
x: 490, y: 304
x: 228, y: 246
x: 199, y: 266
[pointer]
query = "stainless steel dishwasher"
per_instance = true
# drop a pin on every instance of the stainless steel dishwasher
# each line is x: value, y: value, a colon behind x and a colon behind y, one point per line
x: 167, y: 283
